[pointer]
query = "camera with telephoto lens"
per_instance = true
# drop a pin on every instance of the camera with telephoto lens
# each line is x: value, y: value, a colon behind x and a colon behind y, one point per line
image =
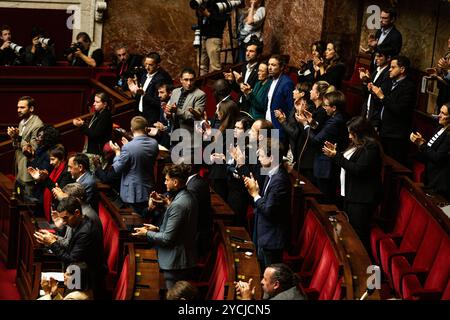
x: 73, y: 48
x: 195, y: 4
x: 197, y: 35
x: 226, y: 6
x: 16, y: 48
x: 46, y: 41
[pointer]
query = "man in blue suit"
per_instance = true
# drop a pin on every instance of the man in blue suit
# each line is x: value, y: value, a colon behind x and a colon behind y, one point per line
x: 272, y: 205
x: 135, y: 162
x: 279, y: 96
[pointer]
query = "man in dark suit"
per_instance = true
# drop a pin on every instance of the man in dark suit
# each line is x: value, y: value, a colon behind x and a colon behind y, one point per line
x: 398, y: 103
x: 371, y: 108
x: 85, y: 244
x: 279, y: 96
x: 127, y: 65
x: 387, y: 35
x: 249, y: 72
x: 199, y: 187
x: 175, y: 239
x: 146, y: 93
x: 272, y: 205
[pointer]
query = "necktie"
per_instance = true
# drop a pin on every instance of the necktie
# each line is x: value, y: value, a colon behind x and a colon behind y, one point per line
x: 266, y: 185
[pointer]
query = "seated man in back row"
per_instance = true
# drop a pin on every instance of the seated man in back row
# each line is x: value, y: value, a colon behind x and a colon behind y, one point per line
x: 85, y: 244
x: 279, y: 283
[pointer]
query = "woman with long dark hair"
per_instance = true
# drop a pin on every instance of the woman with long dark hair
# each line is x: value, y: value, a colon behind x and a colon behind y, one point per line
x: 306, y: 69
x: 331, y: 69
x: 360, y: 177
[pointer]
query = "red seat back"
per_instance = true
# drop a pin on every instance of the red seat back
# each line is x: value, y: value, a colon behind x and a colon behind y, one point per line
x: 110, y: 240
x: 407, y: 204
x: 439, y: 274
x: 219, y: 276
x: 429, y: 246
x: 416, y: 229
x: 313, y: 254
x: 120, y: 292
x: 446, y: 294
x: 326, y: 275
x: 307, y: 234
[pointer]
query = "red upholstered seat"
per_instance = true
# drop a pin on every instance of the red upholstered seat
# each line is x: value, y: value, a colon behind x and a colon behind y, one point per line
x: 305, y: 242
x: 219, y: 276
x: 446, y: 294
x: 433, y: 284
x: 110, y: 242
x: 407, y: 204
x: 420, y: 262
x: 120, y: 292
x: 326, y: 276
x: 389, y: 247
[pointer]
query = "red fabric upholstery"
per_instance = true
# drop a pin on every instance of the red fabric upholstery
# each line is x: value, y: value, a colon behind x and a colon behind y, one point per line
x: 219, y: 276
x: 424, y: 258
x: 110, y: 240
x: 436, y: 280
x: 407, y: 204
x: 410, y: 241
x: 305, y: 241
x: 120, y: 292
x: 326, y: 275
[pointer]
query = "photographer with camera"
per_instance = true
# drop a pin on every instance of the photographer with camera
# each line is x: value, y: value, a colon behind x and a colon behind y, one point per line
x: 78, y: 53
x: 41, y: 52
x: 212, y: 24
x: 11, y: 54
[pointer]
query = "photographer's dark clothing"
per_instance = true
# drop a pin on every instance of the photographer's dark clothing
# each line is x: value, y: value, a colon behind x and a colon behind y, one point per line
x: 41, y: 57
x: 97, y: 55
x: 9, y: 58
x: 213, y: 26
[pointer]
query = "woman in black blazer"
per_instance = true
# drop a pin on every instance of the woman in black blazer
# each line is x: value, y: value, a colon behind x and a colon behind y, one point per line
x: 360, y: 176
x: 436, y: 154
x: 98, y: 130
x: 332, y: 69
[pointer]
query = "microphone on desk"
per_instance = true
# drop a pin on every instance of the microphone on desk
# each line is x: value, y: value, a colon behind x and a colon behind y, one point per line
x: 368, y: 293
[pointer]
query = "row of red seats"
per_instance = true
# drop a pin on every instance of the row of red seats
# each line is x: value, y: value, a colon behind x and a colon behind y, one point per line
x: 415, y: 256
x: 316, y: 261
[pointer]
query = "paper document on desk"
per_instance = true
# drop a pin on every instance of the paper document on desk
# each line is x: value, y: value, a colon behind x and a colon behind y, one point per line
x: 446, y: 210
x: 58, y: 276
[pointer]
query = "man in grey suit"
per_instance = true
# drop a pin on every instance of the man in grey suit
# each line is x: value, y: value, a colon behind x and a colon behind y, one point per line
x: 175, y: 239
x: 186, y: 104
x: 24, y: 140
x: 135, y: 162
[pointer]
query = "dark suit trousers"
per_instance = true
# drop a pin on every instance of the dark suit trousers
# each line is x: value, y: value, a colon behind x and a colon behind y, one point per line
x: 267, y: 257
x: 360, y: 215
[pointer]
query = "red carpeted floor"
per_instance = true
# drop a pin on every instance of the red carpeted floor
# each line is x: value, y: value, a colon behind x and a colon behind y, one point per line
x: 8, y: 289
